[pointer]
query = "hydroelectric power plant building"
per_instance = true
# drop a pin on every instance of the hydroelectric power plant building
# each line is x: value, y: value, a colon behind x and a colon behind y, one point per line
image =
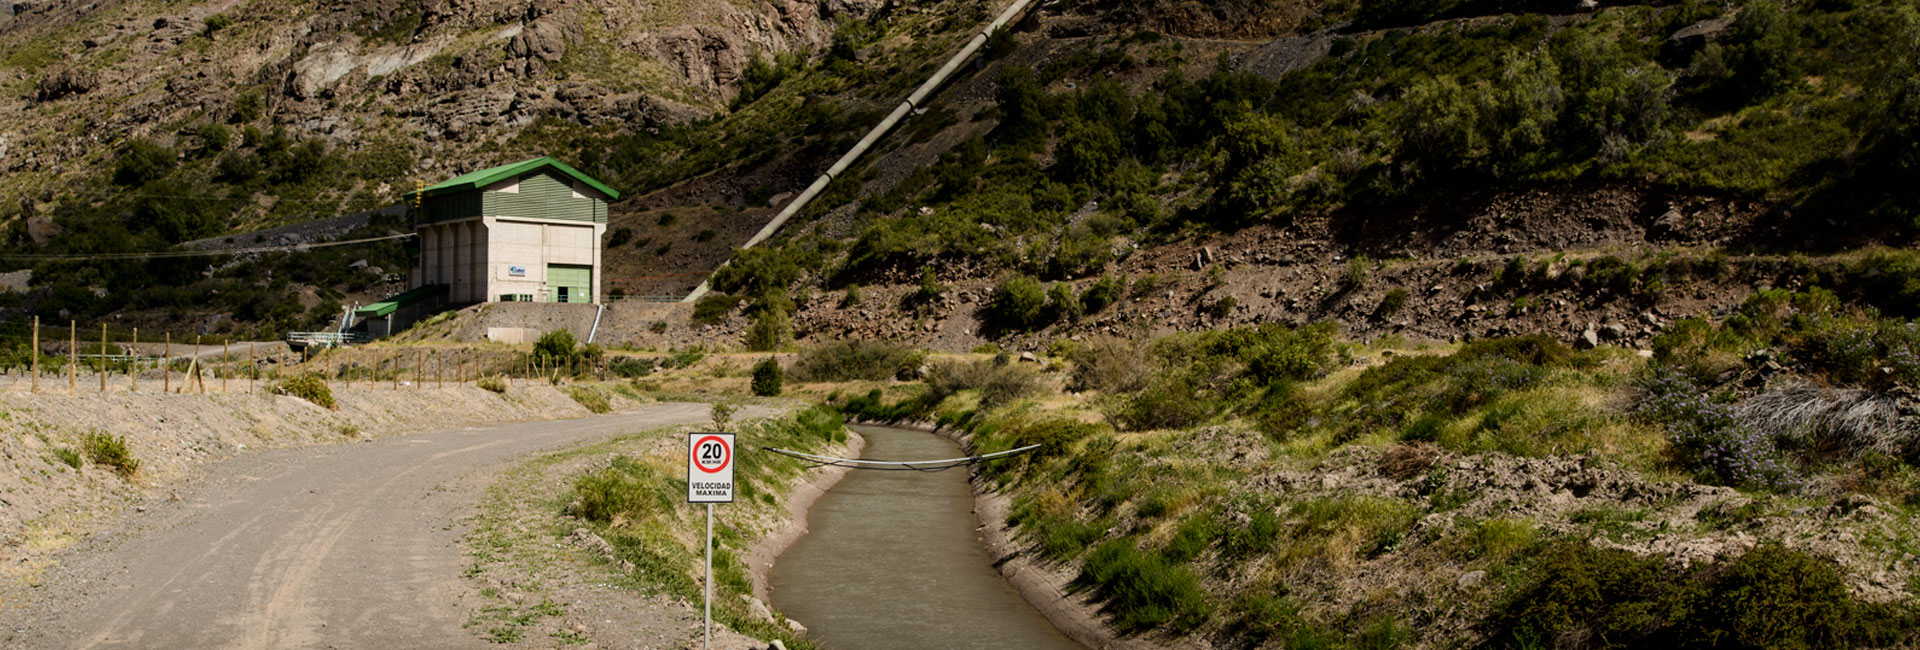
x: 529, y: 231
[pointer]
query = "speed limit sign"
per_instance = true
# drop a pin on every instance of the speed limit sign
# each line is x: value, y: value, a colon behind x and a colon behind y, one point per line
x: 709, y: 468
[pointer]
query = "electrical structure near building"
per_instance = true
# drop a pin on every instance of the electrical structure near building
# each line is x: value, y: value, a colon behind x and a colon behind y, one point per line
x: 528, y: 231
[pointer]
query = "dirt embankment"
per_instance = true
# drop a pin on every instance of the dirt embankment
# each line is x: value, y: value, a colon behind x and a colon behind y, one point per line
x: 46, y: 503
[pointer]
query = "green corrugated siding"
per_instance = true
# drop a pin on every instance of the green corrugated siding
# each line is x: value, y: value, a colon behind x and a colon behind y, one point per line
x: 544, y: 195
x: 577, y: 279
x: 450, y: 207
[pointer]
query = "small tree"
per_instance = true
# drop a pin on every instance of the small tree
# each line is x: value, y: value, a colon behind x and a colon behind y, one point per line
x: 1018, y: 303
x: 723, y: 415
x: 767, y: 378
x: 771, y: 330
x: 554, y: 348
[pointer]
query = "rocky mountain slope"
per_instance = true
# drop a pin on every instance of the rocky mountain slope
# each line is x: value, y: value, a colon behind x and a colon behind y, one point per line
x: 443, y: 80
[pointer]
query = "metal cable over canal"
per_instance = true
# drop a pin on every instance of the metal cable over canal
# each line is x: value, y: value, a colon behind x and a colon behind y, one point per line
x: 894, y: 560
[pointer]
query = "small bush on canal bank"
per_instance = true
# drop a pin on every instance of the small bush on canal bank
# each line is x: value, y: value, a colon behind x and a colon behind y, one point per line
x: 1142, y: 590
x: 309, y: 387
x: 625, y: 491
x: 493, y: 383
x: 594, y: 400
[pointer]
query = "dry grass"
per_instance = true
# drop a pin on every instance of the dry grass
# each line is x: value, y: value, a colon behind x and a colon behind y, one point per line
x: 1831, y: 419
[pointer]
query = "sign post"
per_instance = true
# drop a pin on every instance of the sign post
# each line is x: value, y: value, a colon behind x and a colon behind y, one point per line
x: 709, y: 481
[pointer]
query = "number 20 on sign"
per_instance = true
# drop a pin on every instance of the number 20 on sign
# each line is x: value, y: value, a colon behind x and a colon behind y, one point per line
x: 710, y: 468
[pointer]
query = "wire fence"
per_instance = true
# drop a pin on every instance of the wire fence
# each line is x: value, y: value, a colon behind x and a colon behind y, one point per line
x: 75, y: 366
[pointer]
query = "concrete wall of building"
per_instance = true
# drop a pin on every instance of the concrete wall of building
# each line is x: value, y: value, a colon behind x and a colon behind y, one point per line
x: 518, y: 252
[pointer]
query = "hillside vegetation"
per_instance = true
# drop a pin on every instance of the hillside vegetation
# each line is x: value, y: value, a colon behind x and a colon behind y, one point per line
x: 1282, y: 487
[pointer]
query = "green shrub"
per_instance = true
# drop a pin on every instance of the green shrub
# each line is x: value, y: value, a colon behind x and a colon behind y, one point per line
x: 766, y: 378
x: 929, y: 290
x: 1399, y: 391
x: 594, y: 400
x: 68, y: 455
x: 555, y: 348
x: 307, y: 386
x: 111, y: 451
x: 1769, y: 597
x: 1168, y: 401
x: 214, y: 23
x: 722, y: 413
x: 857, y: 360
x: 771, y: 330
x: 711, y: 309
x: 1140, y: 590
x: 1223, y: 307
x: 998, y: 383
x: 1773, y: 597
x: 872, y: 407
x: 1018, y: 304
x: 142, y: 162
x: 1062, y: 304
x: 1103, y: 292
x: 626, y: 491
x: 493, y: 383
x: 1054, y: 436
x: 823, y: 422
x: 630, y: 367
x: 1355, y: 276
x: 1109, y: 365
x: 1395, y: 300
x: 1060, y: 536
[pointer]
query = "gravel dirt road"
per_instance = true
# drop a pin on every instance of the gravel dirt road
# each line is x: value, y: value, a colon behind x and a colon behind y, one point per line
x: 338, y: 547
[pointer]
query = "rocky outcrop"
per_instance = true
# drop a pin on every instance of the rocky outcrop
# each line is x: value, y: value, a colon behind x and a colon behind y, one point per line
x: 64, y: 82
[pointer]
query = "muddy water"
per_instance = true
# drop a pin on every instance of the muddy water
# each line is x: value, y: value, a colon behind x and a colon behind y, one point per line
x: 893, y: 561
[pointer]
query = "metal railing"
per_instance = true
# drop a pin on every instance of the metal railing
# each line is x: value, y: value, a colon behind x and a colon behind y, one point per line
x: 645, y: 298
x: 324, y: 338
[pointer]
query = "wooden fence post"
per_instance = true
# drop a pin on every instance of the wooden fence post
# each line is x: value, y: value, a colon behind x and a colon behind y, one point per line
x: 253, y: 369
x: 36, y: 355
x: 73, y: 357
x: 166, y: 366
x: 226, y: 356
x: 133, y: 364
x: 103, y: 357
x: 197, y: 369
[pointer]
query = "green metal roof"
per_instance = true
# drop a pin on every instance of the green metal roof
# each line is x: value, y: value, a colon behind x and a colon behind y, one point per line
x: 403, y: 299
x: 491, y: 175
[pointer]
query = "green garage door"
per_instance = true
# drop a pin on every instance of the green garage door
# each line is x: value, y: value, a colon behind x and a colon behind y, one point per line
x: 570, y: 283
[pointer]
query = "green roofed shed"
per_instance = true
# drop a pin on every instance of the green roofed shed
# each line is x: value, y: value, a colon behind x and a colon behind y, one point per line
x: 526, y: 231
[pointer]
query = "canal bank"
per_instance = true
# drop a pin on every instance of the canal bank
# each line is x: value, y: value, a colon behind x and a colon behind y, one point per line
x: 1045, y: 586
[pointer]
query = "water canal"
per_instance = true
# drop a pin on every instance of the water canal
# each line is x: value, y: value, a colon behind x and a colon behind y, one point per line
x: 893, y: 561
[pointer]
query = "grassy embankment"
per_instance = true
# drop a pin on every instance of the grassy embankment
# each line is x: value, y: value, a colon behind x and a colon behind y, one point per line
x: 1752, y: 483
